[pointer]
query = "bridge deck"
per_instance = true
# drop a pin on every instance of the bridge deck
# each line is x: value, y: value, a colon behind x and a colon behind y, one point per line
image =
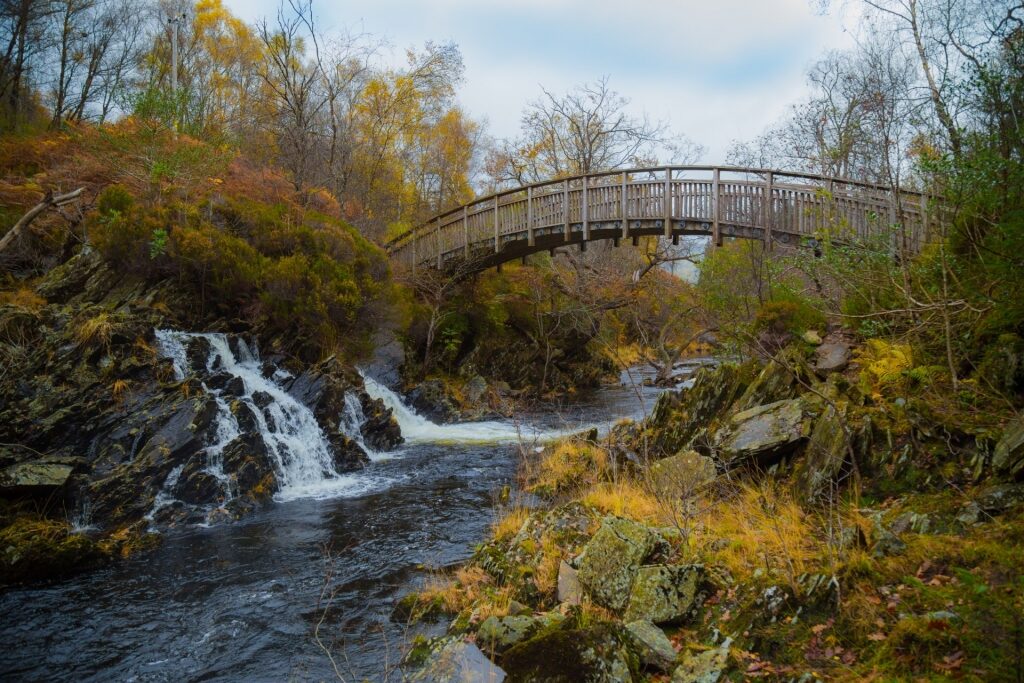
x: 774, y: 206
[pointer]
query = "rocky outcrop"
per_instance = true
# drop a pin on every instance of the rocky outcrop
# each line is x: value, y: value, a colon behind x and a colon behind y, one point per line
x: 761, y: 436
x: 651, y: 645
x: 681, y: 476
x: 451, y: 660
x: 1008, y: 458
x: 599, y: 654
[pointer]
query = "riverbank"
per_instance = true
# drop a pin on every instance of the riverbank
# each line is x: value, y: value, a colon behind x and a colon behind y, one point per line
x: 769, y: 522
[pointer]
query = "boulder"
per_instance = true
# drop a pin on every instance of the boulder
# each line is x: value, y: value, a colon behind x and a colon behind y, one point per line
x: 432, y: 399
x: 475, y: 389
x: 706, y: 667
x: 611, y: 560
x: 831, y: 357
x: 999, y: 498
x: 762, y: 435
x: 570, y: 591
x: 824, y: 459
x: 651, y: 645
x: 497, y: 634
x: 1008, y: 458
x: 779, y: 379
x: 681, y: 475
x: 452, y: 660
x: 679, y: 417
x: 664, y: 593
x: 595, y: 655
x: 34, y: 477
x: 246, y: 458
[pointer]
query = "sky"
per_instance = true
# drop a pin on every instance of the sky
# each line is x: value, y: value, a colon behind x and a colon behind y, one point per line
x: 715, y: 70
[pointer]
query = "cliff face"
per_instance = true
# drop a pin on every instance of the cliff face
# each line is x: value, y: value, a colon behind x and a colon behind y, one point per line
x: 114, y: 419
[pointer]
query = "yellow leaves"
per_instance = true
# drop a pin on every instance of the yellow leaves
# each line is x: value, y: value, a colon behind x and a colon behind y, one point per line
x: 883, y: 363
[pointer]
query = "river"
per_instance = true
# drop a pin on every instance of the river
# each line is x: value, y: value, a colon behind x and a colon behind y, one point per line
x: 241, y: 601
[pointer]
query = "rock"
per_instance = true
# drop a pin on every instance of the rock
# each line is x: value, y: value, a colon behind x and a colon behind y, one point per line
x: 831, y: 357
x: 432, y: 399
x: 652, y: 645
x: 779, y: 379
x: 705, y: 667
x: 475, y: 389
x: 611, y: 560
x: 682, y: 475
x: 452, y: 660
x: 247, y: 458
x: 1008, y: 458
x: 680, y: 417
x: 34, y: 477
x: 570, y: 591
x: 887, y: 543
x: 197, y: 486
x: 594, y: 655
x: 999, y: 498
x: 762, y: 435
x: 811, y: 337
x: 825, y: 458
x: 497, y: 634
x: 664, y: 593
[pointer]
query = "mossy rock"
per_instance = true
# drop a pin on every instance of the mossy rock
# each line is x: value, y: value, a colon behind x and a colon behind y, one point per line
x: 497, y: 634
x: 664, y: 594
x: 611, y: 560
x: 599, y: 654
x: 762, y: 435
x: 34, y: 549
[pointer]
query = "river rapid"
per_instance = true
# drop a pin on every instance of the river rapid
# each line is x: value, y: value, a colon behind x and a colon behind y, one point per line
x: 242, y: 601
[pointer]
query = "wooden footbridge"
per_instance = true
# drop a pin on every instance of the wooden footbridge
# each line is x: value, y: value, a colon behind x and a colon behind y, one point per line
x: 769, y: 205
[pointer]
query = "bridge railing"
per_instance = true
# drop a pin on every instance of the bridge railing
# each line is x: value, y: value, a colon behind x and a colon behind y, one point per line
x: 719, y: 201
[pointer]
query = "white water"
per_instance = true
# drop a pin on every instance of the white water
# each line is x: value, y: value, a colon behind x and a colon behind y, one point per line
x: 296, y: 443
x: 418, y: 429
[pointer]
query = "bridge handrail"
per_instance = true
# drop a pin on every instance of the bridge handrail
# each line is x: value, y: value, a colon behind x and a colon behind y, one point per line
x: 436, y: 218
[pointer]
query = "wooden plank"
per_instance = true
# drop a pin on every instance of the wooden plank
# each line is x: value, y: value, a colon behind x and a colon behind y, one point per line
x: 465, y: 231
x: 584, y: 209
x: 667, y: 201
x: 768, y: 218
x: 565, y: 207
x: 497, y: 232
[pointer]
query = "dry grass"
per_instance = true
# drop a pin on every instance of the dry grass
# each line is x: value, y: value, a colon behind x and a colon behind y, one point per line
x: 510, y: 523
x: 23, y: 298
x: 568, y: 466
x: 764, y: 527
x: 97, y: 330
x: 625, y: 498
x: 464, y: 587
x: 119, y: 389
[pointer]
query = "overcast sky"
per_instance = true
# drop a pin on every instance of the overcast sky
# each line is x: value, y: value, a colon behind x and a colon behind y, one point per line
x: 716, y: 70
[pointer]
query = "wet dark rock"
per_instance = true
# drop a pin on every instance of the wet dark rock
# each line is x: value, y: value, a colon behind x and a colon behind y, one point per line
x: 218, y: 380
x: 348, y: 455
x: 262, y: 399
x: 432, y: 399
x: 234, y: 387
x: 198, y: 487
x: 246, y: 417
x: 248, y: 460
x: 197, y: 351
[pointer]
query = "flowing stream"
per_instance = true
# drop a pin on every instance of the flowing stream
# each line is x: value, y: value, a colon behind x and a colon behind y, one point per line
x: 332, y: 554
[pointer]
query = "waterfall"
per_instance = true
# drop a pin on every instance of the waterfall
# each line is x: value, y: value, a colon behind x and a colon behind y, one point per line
x: 297, y: 445
x: 418, y: 429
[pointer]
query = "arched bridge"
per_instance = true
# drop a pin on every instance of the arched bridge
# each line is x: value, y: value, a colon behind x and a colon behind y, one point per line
x: 770, y: 205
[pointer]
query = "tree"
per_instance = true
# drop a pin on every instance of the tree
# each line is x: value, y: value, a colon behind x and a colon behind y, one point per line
x: 585, y: 130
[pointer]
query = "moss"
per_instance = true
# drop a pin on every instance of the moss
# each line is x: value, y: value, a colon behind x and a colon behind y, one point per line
x: 35, y: 548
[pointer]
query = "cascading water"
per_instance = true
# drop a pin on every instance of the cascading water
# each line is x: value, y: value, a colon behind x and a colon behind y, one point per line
x: 296, y: 443
x: 418, y: 429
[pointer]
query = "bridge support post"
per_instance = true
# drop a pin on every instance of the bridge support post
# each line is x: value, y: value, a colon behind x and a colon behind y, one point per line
x: 583, y: 211
x: 465, y: 232
x: 625, y: 206
x: 437, y: 244
x: 565, y: 207
x: 497, y: 232
x: 716, y: 235
x: 667, y: 200
x: 769, y: 210
x: 413, y: 246
x: 531, y: 239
